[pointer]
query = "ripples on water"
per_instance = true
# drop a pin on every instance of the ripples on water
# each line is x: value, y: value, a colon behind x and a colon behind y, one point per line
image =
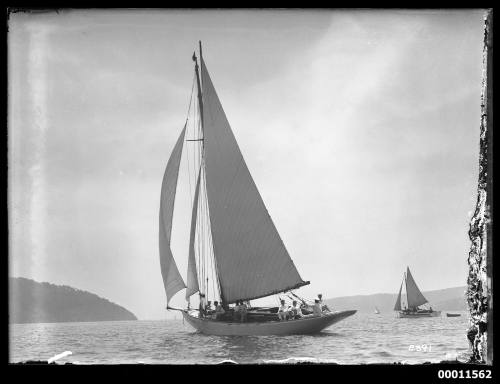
x: 362, y: 338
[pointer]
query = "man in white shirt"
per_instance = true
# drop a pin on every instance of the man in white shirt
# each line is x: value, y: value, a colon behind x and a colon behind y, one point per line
x: 323, y: 307
x: 317, y: 308
x: 208, y: 308
x: 296, y: 311
x: 219, y: 311
x: 283, y: 310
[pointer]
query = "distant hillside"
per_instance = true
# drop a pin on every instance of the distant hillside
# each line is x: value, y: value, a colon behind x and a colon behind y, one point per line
x: 443, y: 299
x: 457, y: 304
x: 34, y: 302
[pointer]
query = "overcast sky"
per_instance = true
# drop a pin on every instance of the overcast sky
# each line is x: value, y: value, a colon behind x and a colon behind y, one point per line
x: 360, y: 129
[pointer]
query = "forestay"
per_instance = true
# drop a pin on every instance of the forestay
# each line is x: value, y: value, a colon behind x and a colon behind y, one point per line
x: 172, y: 279
x: 251, y: 258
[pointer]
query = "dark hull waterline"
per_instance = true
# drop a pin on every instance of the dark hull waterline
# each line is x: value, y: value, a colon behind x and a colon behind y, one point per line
x: 306, y: 325
x: 415, y: 315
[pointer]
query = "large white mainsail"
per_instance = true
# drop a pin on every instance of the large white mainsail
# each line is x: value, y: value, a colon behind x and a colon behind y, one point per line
x: 413, y: 294
x: 252, y: 260
x: 172, y: 279
x: 192, y: 275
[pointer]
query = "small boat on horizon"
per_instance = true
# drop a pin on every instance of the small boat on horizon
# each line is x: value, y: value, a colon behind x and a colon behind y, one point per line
x: 453, y: 314
x: 377, y: 312
x: 235, y: 252
x: 414, y: 299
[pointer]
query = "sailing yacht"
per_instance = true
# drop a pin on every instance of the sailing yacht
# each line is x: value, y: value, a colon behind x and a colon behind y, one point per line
x: 414, y: 299
x: 235, y: 252
x: 377, y: 312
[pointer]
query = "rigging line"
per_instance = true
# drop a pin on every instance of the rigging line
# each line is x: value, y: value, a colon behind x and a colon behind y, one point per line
x: 199, y: 223
x: 202, y: 231
x: 214, y: 262
x: 191, y: 97
x: 186, y: 125
x: 205, y: 220
x: 187, y: 118
x: 194, y: 222
x: 191, y: 167
x: 211, y: 245
x: 207, y: 210
x: 203, y: 209
x: 195, y: 163
x: 187, y: 146
x: 199, y: 238
x: 210, y: 271
x: 210, y: 242
x: 189, y: 173
x: 193, y: 151
x: 213, y: 274
x: 209, y: 219
x: 202, y: 234
x: 208, y: 253
x: 198, y: 254
x: 205, y: 251
x: 196, y: 153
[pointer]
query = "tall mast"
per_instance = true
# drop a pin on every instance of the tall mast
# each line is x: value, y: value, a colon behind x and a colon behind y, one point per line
x: 200, y: 103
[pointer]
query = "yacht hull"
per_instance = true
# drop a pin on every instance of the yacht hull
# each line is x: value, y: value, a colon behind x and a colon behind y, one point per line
x: 306, y: 325
x: 418, y: 315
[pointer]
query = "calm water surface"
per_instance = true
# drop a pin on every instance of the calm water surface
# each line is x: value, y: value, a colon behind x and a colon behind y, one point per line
x: 362, y: 338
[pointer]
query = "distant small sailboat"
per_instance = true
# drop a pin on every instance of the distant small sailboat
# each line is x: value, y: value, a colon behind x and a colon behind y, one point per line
x: 238, y: 245
x: 414, y: 299
x: 453, y: 315
x: 377, y: 312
